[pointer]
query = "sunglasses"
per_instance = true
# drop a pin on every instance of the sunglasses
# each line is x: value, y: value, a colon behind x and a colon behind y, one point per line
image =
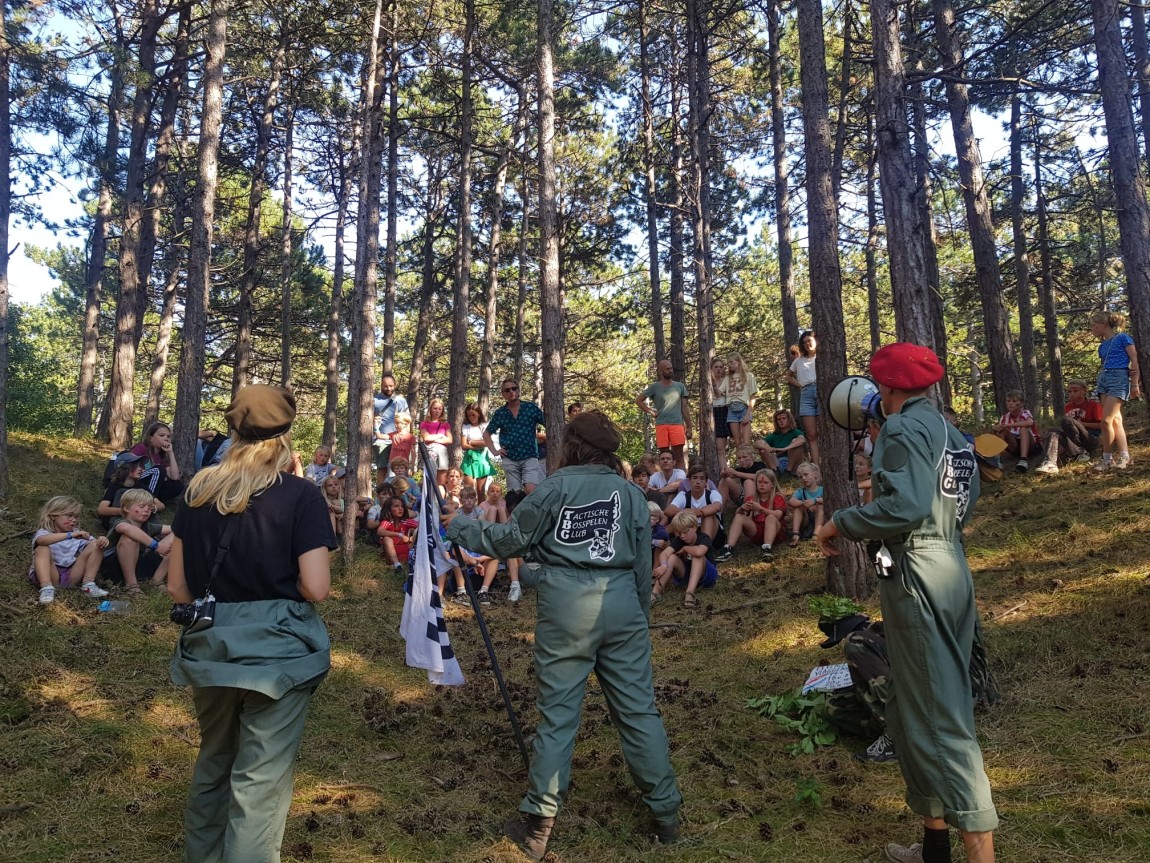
x: 511, y: 389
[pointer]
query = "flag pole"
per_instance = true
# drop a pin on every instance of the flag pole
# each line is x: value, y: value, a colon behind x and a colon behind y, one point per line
x: 429, y: 471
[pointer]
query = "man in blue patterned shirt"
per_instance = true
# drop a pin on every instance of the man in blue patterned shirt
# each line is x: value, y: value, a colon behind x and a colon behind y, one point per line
x: 516, y: 423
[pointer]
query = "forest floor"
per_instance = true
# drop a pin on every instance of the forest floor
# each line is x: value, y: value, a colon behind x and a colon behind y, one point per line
x: 97, y: 746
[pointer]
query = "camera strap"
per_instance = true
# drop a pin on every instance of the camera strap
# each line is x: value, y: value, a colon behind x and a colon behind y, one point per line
x: 233, y: 522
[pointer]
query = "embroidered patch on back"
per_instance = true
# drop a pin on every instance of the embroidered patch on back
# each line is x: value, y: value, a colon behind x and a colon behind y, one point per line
x: 593, y: 524
x: 958, y: 467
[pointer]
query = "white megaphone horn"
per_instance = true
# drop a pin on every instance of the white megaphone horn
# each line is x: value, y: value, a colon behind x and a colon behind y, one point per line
x: 853, y: 402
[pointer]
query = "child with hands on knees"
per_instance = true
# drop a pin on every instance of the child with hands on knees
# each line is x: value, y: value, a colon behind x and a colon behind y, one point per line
x: 396, y: 532
x: 138, y: 545
x: 494, y: 507
x: 706, y: 506
x: 737, y: 484
x: 807, y: 502
x: 659, y: 535
x: 333, y: 496
x: 1019, y: 430
x: 687, y: 558
x: 62, y: 554
x: 321, y: 467
x: 761, y: 517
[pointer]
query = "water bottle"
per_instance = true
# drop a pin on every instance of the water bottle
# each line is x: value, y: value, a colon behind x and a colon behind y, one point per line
x: 114, y: 606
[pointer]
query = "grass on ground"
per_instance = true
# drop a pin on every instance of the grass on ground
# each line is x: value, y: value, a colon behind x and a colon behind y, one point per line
x: 96, y: 745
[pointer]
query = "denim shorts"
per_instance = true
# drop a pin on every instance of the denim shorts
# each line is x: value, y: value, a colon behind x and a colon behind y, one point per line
x: 738, y: 411
x: 1113, y: 382
x: 809, y: 401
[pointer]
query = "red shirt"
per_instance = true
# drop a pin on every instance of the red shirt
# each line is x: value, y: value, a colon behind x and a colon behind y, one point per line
x: 1088, y: 411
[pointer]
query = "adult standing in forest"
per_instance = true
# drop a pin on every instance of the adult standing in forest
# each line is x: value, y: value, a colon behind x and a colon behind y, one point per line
x: 385, y: 406
x: 588, y: 532
x: 801, y: 374
x: 256, y: 538
x: 666, y: 401
x: 925, y: 487
x: 516, y: 422
x: 719, y: 380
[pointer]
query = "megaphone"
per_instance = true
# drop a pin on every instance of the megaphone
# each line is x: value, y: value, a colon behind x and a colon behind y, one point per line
x: 853, y: 402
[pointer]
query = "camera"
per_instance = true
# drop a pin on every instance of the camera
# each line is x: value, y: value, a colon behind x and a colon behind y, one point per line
x: 194, y: 616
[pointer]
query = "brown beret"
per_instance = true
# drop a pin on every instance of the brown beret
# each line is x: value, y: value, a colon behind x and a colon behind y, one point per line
x: 904, y: 366
x: 260, y: 412
x: 596, y: 429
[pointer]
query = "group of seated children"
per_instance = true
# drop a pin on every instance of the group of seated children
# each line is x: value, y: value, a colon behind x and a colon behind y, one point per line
x: 135, y: 547
x: 494, y: 508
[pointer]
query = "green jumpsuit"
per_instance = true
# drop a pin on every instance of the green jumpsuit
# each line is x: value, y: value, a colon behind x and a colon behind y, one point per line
x: 925, y: 487
x: 587, y: 537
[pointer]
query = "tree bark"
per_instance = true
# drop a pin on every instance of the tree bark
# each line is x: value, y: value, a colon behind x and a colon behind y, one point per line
x: 285, y: 256
x: 1129, y: 185
x: 782, y: 182
x: 521, y: 292
x: 1022, y: 258
x: 844, y: 97
x: 424, y: 330
x: 871, y: 250
x: 650, y: 188
x: 1049, y: 313
x: 343, y: 185
x: 361, y: 371
x: 253, y: 241
x: 390, y: 259
x: 5, y: 218
x: 677, y: 297
x: 189, y: 388
x: 1142, y: 68
x: 550, y: 290
x: 98, y: 259
x: 999, y: 342
x: 905, y: 238
x: 121, y: 394
x: 848, y: 574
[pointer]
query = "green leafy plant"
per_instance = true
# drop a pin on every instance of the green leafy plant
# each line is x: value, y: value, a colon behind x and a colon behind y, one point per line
x: 830, y: 608
x: 808, y: 791
x: 803, y: 714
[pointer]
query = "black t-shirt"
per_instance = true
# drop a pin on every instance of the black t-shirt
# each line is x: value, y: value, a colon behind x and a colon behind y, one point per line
x: 286, y: 520
x: 701, y: 538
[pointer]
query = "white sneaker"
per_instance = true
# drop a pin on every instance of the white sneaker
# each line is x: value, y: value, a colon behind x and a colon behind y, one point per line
x: 904, y: 853
x: 1046, y: 467
x: 1103, y: 466
x: 47, y: 594
x: 92, y: 589
x: 1122, y: 461
x: 515, y: 592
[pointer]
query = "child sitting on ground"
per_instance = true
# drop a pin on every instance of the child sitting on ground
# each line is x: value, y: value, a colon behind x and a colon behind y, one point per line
x: 1019, y: 430
x: 128, y: 470
x: 736, y: 484
x: 761, y: 517
x: 704, y: 504
x: 396, y: 532
x: 321, y: 467
x: 1078, y: 435
x: 468, y: 501
x: 62, y: 554
x: 659, y: 535
x: 807, y: 503
x: 495, y: 509
x: 333, y: 496
x: 641, y: 477
x: 863, y: 478
x: 138, y: 545
x: 687, y: 558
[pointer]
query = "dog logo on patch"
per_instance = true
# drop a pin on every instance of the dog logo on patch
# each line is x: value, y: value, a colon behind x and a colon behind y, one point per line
x: 958, y: 469
x: 593, y: 524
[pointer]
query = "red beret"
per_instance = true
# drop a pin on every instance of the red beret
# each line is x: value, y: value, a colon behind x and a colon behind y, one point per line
x: 903, y: 366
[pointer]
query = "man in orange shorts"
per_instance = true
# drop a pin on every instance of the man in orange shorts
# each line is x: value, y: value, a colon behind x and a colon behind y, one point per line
x: 672, y: 417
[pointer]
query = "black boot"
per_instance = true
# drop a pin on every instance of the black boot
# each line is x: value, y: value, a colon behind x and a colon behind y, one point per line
x: 530, y: 832
x: 667, y: 832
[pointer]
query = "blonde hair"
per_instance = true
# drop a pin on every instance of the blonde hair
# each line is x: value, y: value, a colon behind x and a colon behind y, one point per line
x: 404, y: 417
x: 1112, y: 319
x: 134, y: 496
x: 654, y: 509
x: 247, y: 468
x: 746, y: 449
x: 57, y: 506
x: 682, y: 522
x: 769, y: 474
x: 437, y: 403
x: 811, y: 468
x: 739, y: 377
x: 331, y: 477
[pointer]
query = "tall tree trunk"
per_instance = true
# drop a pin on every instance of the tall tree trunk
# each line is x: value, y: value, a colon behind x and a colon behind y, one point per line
x: 1021, y: 257
x: 1142, y: 67
x: 845, y: 79
x: 121, y: 394
x: 699, y: 93
x: 650, y: 187
x: 872, y: 239
x: 390, y: 259
x: 550, y: 290
x: 158, y: 199
x: 97, y: 259
x: 1129, y: 186
x: 343, y: 184
x: 5, y: 217
x: 253, y: 241
x: 285, y: 256
x: 905, y: 240
x: 677, y: 297
x: 189, y: 388
x: 782, y: 182
x: 461, y: 301
x: 521, y: 292
x: 1049, y: 313
x: 423, y: 329
x: 999, y: 342
x: 361, y: 371
x: 923, y: 185
x: 848, y: 574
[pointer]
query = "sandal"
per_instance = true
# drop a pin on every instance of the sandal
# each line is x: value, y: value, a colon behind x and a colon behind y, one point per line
x: 794, y: 543
x: 656, y: 598
x: 689, y: 601
x: 135, y: 589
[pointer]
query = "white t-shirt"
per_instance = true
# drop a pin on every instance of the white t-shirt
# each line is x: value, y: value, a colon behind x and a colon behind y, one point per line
x: 681, y: 502
x: 64, y: 552
x: 804, y: 370
x: 657, y: 480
